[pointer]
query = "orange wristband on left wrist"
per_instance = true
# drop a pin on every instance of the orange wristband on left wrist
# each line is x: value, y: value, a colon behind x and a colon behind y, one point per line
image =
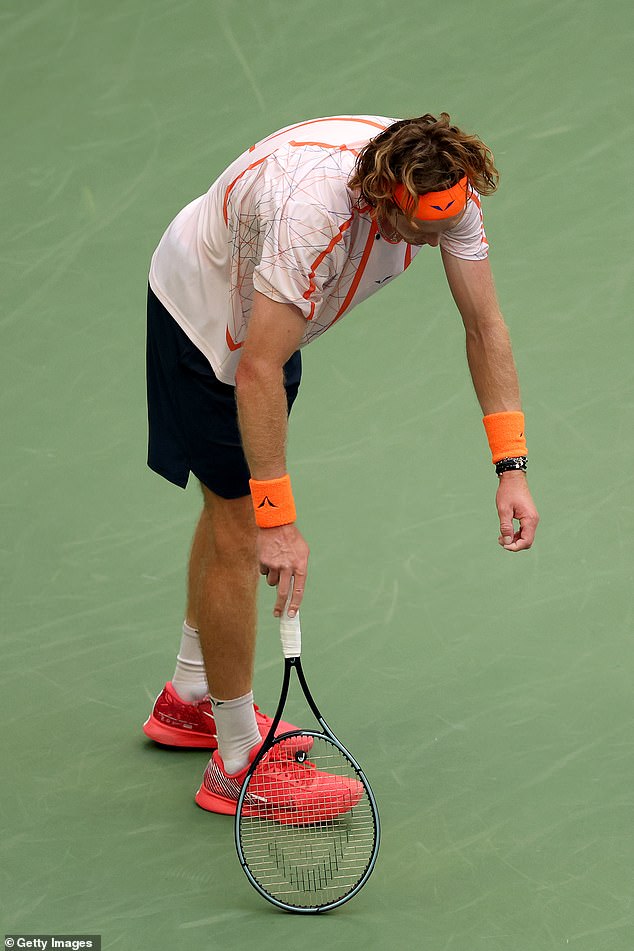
x: 505, y: 432
x: 273, y: 501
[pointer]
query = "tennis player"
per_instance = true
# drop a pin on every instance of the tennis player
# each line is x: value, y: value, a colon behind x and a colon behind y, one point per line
x: 301, y: 228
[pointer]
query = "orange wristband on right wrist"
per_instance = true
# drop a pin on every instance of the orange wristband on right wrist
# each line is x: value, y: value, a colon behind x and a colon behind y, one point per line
x: 505, y: 432
x: 273, y: 502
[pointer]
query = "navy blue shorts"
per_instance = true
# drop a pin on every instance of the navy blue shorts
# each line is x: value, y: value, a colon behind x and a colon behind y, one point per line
x: 192, y: 416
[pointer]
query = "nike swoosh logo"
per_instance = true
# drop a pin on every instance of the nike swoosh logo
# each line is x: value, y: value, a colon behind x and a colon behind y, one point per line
x: 384, y: 279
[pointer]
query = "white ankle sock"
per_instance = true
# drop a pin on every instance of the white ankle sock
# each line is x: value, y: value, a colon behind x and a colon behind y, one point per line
x: 237, y: 731
x: 189, y: 680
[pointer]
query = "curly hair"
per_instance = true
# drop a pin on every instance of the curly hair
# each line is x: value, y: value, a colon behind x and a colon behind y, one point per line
x: 425, y: 154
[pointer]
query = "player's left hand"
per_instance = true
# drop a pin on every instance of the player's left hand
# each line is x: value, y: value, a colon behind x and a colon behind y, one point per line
x: 514, y: 501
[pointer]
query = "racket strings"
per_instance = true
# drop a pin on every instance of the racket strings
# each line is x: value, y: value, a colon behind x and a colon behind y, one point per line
x: 311, y: 836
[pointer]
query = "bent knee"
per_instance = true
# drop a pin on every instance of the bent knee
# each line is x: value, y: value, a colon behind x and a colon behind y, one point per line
x: 232, y: 524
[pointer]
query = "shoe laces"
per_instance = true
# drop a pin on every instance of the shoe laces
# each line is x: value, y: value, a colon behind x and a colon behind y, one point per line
x: 288, y: 768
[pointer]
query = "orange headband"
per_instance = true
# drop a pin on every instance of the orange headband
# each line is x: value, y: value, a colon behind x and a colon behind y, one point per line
x: 434, y: 206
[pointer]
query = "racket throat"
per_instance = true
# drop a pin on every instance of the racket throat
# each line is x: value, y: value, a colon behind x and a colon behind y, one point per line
x: 289, y: 663
x: 297, y: 664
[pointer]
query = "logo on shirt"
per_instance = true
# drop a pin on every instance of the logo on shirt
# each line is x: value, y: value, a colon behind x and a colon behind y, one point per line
x: 384, y: 279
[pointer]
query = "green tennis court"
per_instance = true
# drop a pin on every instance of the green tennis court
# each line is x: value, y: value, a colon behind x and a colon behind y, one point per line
x: 488, y: 696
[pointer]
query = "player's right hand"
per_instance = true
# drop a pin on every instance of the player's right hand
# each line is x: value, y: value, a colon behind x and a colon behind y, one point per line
x: 283, y: 558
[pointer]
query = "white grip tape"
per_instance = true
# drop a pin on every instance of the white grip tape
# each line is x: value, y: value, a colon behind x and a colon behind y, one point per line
x: 291, y: 634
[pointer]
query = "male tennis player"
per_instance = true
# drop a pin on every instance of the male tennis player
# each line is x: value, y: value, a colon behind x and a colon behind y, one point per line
x: 300, y: 229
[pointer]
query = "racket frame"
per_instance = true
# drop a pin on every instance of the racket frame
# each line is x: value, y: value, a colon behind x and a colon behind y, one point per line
x: 291, y: 663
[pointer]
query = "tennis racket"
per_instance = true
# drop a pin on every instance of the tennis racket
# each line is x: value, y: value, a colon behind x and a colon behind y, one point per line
x: 307, y: 826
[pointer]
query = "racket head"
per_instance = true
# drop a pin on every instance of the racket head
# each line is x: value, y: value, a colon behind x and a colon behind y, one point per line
x: 307, y: 825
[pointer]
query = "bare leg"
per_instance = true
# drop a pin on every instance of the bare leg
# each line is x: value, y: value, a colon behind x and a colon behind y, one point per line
x: 222, y: 591
x: 201, y: 545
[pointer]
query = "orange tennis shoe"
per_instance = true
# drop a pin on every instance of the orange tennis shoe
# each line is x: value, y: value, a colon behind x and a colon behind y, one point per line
x: 173, y: 722
x: 282, y: 788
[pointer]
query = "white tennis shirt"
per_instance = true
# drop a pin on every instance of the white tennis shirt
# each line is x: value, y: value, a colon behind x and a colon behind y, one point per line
x: 282, y: 220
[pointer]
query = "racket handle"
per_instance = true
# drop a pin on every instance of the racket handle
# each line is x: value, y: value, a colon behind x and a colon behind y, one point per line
x: 291, y: 634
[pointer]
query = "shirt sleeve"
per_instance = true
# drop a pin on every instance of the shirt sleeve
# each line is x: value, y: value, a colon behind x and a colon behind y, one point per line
x: 304, y: 247
x: 467, y: 240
